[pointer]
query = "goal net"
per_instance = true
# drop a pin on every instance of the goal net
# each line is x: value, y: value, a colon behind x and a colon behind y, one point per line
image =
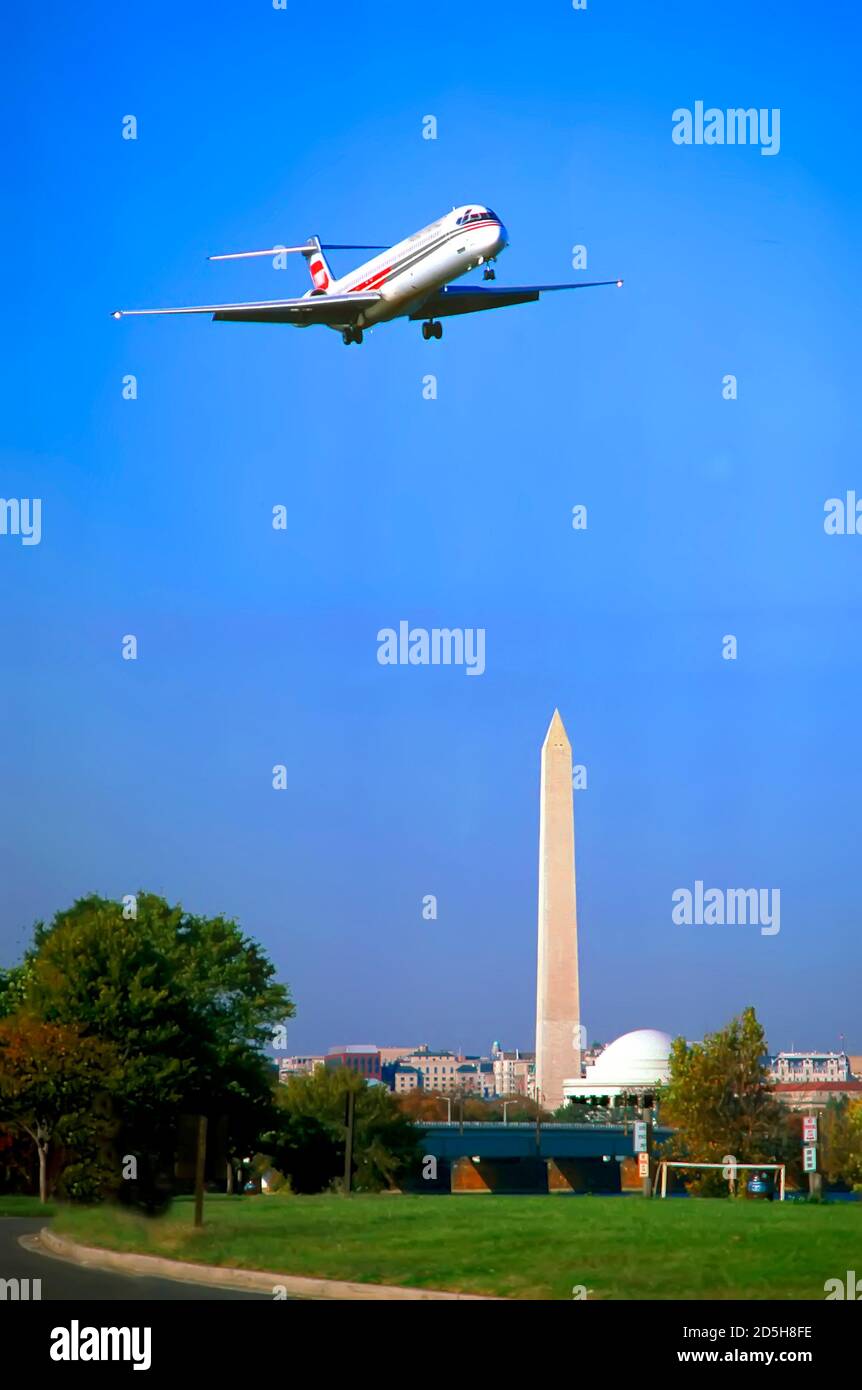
x: 729, y: 1169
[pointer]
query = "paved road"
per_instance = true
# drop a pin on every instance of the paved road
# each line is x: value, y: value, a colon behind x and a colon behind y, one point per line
x: 62, y: 1280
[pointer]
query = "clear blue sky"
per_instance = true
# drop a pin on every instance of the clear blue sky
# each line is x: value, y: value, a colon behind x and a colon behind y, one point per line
x: 259, y: 647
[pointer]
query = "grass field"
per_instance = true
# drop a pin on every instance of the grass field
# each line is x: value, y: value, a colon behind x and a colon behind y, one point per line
x: 518, y: 1247
x: 24, y: 1206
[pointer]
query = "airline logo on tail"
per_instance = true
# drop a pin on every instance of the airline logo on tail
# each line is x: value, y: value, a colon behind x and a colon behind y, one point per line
x: 321, y: 276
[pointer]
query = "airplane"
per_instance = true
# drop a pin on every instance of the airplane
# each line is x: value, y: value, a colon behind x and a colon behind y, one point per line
x: 412, y: 280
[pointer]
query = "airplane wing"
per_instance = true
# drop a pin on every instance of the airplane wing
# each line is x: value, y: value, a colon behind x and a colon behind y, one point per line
x: 310, y: 309
x: 471, y: 299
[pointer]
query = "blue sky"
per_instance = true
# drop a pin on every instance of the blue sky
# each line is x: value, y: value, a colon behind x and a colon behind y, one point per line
x: 257, y: 647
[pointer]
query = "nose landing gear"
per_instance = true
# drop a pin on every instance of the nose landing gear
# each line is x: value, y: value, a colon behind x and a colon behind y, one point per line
x: 351, y: 335
x: 431, y: 329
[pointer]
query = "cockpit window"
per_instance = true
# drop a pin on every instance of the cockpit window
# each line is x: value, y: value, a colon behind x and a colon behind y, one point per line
x: 476, y: 215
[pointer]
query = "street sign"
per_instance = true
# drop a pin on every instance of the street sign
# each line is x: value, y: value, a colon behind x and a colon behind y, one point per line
x: 809, y: 1129
x: 640, y: 1139
x: 809, y: 1160
x: 643, y: 1165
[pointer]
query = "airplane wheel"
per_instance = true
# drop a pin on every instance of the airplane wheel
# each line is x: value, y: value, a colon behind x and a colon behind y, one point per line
x: 437, y: 330
x: 427, y: 329
x: 347, y: 337
x: 357, y: 335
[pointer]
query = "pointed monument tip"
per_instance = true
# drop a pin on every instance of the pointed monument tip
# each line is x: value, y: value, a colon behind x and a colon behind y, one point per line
x: 556, y: 730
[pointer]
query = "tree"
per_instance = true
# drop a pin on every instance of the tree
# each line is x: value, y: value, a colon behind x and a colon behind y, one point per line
x: 188, y: 1003
x: 840, y: 1128
x: 13, y: 988
x: 51, y: 1081
x: 719, y: 1099
x: 308, y: 1143
x: 306, y: 1150
x: 420, y: 1104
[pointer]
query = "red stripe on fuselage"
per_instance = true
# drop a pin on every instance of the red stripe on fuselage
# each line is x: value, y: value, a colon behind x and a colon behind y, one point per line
x: 374, y: 281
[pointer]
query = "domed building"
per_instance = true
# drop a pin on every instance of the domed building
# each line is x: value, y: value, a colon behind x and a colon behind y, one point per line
x: 626, y: 1072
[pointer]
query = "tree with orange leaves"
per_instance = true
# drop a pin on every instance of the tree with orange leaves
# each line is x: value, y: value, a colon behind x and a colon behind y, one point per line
x: 51, y: 1081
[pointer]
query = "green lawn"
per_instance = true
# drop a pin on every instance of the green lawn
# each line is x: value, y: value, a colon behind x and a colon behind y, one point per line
x: 24, y: 1206
x: 519, y: 1247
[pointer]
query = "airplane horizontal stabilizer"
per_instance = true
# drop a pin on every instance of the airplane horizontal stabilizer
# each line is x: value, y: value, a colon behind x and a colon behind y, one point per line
x: 307, y: 246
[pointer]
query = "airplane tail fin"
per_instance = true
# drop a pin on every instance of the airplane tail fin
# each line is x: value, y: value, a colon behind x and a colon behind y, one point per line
x: 318, y: 267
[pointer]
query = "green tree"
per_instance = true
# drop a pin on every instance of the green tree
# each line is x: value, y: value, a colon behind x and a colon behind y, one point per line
x: 188, y: 1003
x: 840, y: 1135
x: 720, y: 1102
x: 308, y: 1143
x: 13, y: 989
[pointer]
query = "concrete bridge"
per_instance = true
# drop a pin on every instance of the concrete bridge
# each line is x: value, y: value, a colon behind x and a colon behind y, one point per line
x: 480, y: 1157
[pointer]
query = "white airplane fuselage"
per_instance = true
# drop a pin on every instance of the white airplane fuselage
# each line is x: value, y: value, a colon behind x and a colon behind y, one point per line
x: 408, y: 272
x: 412, y: 279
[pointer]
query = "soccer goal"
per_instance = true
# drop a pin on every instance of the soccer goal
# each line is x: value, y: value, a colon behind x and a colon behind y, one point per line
x: 730, y: 1169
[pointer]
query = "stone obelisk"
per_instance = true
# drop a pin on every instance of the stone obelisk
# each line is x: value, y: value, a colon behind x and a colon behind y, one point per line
x: 558, y: 1011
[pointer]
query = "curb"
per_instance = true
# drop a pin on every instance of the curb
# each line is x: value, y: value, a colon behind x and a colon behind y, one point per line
x: 246, y: 1280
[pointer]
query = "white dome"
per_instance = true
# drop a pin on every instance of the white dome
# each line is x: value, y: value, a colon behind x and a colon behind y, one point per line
x: 643, y: 1055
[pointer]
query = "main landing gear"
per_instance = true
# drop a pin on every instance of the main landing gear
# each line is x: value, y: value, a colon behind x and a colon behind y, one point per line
x: 489, y: 273
x: 432, y: 330
x: 351, y: 335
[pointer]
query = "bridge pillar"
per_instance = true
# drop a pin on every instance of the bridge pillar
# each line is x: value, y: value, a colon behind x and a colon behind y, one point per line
x: 582, y: 1175
x: 467, y: 1176
x: 630, y: 1178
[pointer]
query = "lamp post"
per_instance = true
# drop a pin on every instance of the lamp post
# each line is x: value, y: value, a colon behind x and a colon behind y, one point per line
x: 349, y: 1112
x: 200, y: 1169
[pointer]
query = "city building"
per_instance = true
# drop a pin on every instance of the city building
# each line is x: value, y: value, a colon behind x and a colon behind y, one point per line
x: 475, y: 1076
x: 395, y: 1054
x: 401, y: 1078
x: 438, y: 1070
x: 814, y: 1095
x: 809, y: 1067
x: 297, y: 1066
x: 362, y: 1058
x: 513, y: 1071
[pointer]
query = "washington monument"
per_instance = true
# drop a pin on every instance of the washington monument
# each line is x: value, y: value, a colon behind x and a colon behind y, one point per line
x: 558, y: 1011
